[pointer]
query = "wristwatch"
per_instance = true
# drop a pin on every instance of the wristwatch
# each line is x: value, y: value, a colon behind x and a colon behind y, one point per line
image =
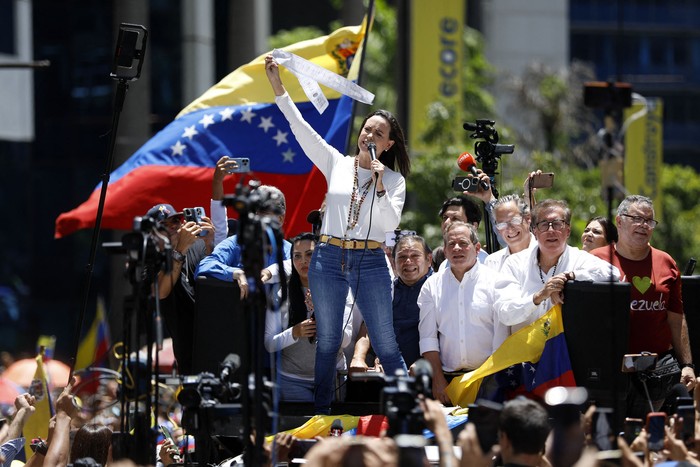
x: 39, y: 446
x: 177, y: 256
x: 687, y: 365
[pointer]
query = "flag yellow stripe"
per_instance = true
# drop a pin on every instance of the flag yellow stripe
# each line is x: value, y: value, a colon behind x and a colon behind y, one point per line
x: 524, y: 346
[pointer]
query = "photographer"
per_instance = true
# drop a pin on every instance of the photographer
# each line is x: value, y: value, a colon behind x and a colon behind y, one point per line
x: 225, y: 262
x: 176, y: 288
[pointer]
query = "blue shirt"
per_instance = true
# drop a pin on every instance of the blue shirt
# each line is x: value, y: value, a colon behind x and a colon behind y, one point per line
x: 10, y: 449
x: 406, y: 318
x: 226, y: 258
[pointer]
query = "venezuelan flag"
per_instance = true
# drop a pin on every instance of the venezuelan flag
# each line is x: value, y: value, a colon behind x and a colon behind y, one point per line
x: 532, y: 360
x: 94, y: 346
x: 236, y: 117
x: 37, y: 424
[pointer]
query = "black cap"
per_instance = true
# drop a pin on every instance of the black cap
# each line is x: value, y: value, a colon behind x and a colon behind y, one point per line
x: 160, y: 212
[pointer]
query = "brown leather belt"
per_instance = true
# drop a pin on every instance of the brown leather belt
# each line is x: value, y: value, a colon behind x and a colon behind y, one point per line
x: 350, y: 244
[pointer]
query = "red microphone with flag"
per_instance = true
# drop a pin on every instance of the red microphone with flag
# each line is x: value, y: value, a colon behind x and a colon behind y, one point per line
x: 466, y: 162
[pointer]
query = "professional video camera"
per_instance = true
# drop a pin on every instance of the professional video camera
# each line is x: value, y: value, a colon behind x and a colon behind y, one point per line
x: 487, y: 151
x: 399, y: 399
x: 147, y: 250
x: 212, y: 406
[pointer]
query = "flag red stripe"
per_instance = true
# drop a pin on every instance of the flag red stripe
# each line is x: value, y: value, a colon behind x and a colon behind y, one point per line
x: 183, y: 186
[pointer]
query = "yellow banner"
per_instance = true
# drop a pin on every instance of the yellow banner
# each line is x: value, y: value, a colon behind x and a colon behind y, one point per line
x: 436, y: 61
x: 644, y: 152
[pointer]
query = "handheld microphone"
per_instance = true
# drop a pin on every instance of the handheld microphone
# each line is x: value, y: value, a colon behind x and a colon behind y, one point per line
x: 229, y: 366
x: 372, y: 148
x: 466, y: 162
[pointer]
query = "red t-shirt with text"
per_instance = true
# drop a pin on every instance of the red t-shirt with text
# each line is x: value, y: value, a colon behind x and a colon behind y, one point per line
x: 655, y: 291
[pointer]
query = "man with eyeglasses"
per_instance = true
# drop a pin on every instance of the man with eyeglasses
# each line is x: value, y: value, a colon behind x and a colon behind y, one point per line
x: 657, y: 321
x: 543, y: 270
x: 512, y: 218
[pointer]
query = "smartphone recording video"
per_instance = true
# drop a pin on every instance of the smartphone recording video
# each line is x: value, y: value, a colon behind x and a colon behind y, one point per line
x: 484, y: 415
x: 656, y: 421
x: 543, y: 180
x: 242, y: 165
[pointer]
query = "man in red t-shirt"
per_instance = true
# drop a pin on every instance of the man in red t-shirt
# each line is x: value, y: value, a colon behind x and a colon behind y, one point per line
x: 657, y: 322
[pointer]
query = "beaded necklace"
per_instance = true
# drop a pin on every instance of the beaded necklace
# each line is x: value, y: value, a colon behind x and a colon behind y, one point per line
x: 539, y: 269
x: 355, y: 205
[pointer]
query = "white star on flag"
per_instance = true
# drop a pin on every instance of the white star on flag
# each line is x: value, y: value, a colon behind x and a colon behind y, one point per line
x: 207, y: 120
x: 280, y: 137
x: 189, y: 132
x: 288, y: 155
x: 226, y: 114
x: 247, y: 115
x: 266, y: 123
x: 178, y: 148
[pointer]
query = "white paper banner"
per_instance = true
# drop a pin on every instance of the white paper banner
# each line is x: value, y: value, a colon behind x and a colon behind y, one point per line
x: 309, y: 75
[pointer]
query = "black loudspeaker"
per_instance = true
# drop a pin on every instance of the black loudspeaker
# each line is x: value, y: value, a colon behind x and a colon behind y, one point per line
x: 691, y: 307
x: 220, y: 327
x: 596, y: 326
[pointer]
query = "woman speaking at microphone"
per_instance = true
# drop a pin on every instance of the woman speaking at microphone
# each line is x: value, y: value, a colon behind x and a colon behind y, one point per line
x: 364, y: 200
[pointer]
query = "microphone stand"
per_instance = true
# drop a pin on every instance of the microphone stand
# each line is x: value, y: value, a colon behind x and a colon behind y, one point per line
x: 126, y: 52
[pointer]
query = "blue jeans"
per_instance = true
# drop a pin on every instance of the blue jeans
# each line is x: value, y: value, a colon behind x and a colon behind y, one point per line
x: 295, y: 389
x: 366, y: 273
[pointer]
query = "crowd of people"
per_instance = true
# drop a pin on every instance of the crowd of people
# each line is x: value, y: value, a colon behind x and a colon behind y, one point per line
x: 355, y: 305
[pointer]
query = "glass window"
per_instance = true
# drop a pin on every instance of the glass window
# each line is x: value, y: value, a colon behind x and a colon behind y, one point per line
x: 7, y: 27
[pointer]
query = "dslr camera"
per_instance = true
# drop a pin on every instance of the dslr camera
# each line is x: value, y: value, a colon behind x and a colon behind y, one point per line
x: 470, y: 184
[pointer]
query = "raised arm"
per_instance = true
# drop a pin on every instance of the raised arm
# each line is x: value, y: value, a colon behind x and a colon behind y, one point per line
x: 273, y: 75
x: 59, y: 447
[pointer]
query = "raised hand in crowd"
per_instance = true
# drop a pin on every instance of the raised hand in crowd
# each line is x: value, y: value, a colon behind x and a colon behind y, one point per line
x: 282, y: 446
x: 674, y: 447
x: 222, y: 169
x: 472, y: 455
x: 436, y: 422
x: 59, y: 442
x: 483, y: 194
x: 169, y: 453
x: 627, y: 454
x: 187, y: 234
x: 24, y: 408
x: 207, y: 226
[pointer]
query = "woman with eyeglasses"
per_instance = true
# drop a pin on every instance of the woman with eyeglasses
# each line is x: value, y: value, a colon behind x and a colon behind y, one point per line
x: 543, y: 270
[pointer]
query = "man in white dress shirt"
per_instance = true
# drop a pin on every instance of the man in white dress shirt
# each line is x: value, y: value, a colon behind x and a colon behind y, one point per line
x: 543, y: 271
x: 464, y: 310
